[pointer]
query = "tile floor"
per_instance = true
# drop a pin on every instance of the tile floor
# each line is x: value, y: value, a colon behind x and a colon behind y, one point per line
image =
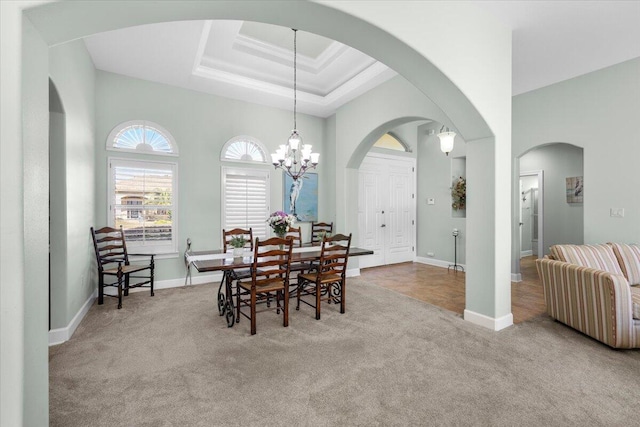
x: 445, y: 288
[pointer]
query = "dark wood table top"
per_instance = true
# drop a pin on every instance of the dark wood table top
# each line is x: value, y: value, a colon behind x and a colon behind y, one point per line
x: 222, y: 264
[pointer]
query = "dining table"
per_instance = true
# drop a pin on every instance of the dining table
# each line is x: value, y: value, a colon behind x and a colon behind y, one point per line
x: 220, y: 261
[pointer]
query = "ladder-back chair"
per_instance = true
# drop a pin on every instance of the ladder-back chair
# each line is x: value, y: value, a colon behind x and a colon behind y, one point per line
x: 226, y: 307
x: 328, y: 282
x: 269, y: 280
x: 319, y: 230
x: 113, y: 261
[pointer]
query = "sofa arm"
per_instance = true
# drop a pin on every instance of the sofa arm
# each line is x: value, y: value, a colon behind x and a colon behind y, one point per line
x: 592, y: 301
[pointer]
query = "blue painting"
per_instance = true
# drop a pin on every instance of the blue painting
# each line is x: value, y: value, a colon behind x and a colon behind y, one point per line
x: 301, y: 197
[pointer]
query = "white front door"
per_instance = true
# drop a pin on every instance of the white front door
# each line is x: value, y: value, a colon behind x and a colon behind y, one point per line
x: 386, y: 209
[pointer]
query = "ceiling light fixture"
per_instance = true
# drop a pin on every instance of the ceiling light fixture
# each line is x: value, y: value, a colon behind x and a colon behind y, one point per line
x: 446, y: 140
x: 295, y: 158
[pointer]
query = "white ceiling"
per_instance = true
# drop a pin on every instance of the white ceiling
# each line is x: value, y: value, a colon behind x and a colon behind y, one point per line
x: 558, y: 40
x: 552, y: 41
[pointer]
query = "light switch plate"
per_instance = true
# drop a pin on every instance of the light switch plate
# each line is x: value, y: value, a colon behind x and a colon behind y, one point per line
x: 431, y: 201
x: 616, y: 212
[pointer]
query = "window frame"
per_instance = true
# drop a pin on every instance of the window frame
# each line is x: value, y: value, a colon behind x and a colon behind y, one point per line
x: 258, y: 172
x: 145, y: 123
x: 163, y: 250
x: 249, y: 139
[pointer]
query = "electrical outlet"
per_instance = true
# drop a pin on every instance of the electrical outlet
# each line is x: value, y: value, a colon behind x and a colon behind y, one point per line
x: 431, y: 254
x: 431, y: 201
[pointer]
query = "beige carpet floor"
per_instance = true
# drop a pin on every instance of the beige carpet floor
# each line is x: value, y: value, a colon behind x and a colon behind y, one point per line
x: 170, y: 360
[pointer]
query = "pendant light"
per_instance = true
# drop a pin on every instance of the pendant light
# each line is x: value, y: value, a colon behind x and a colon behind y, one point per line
x: 295, y: 158
x: 446, y: 140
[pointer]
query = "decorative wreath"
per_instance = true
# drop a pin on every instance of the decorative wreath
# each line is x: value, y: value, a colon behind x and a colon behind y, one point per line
x: 459, y: 194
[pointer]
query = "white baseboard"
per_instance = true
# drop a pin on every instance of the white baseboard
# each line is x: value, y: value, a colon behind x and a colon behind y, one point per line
x: 60, y: 335
x: 516, y: 277
x: 526, y: 253
x: 353, y: 272
x: 436, y: 262
x: 488, y: 322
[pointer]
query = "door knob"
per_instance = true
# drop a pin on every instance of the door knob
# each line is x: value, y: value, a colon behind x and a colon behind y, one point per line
x: 383, y: 225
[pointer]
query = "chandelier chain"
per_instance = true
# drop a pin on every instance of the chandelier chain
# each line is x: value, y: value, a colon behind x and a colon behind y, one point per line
x: 295, y: 77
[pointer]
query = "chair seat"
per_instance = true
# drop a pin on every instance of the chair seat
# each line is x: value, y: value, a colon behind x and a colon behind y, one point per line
x: 265, y: 285
x: 329, y: 278
x: 127, y: 269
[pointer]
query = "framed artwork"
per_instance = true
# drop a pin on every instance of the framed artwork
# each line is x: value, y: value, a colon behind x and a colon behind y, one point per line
x: 301, y: 197
x: 575, y: 189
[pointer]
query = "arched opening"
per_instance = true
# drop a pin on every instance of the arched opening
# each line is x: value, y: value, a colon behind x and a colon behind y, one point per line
x: 548, y: 206
x: 386, y: 193
x: 59, y: 22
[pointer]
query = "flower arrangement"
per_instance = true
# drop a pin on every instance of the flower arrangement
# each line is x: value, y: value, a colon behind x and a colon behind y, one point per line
x: 459, y: 194
x: 279, y: 221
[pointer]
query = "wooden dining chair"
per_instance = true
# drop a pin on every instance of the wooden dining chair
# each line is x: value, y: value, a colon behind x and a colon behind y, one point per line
x: 269, y: 280
x: 319, y: 229
x: 113, y: 261
x: 233, y: 275
x: 328, y: 282
x: 237, y: 232
x: 294, y: 233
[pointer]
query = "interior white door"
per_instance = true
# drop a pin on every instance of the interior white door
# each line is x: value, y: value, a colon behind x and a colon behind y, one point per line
x: 386, y: 210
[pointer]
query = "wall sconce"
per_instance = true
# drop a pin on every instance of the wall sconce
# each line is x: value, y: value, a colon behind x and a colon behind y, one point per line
x: 446, y: 140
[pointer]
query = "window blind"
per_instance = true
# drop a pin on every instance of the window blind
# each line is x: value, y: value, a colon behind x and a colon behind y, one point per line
x: 246, y: 200
x: 142, y: 201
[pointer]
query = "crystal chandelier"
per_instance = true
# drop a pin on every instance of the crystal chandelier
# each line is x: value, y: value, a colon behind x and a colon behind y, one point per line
x: 295, y: 158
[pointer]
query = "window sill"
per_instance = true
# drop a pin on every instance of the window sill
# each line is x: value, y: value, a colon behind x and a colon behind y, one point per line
x: 168, y: 255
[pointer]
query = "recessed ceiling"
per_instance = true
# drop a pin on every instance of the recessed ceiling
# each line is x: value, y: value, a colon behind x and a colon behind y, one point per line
x: 552, y: 41
x: 242, y: 60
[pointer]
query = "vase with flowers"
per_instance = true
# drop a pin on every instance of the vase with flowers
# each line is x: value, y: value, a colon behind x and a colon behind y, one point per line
x: 279, y: 222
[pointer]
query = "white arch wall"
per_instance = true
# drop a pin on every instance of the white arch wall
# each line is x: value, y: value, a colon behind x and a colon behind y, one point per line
x: 474, y: 52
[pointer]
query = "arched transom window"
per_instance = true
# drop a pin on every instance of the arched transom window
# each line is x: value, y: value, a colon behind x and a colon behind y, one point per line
x: 244, y: 148
x: 390, y: 142
x: 142, y: 136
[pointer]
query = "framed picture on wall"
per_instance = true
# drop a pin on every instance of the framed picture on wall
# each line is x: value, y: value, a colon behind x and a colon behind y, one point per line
x: 575, y: 189
x: 301, y: 197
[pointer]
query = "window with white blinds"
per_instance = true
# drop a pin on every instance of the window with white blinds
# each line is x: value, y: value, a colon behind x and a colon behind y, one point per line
x: 143, y: 200
x: 245, y: 200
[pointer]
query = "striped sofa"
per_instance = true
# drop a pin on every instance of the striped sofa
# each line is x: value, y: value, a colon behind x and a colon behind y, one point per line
x: 595, y: 289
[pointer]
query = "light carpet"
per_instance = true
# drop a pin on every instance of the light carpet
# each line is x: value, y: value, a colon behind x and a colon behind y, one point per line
x: 170, y: 360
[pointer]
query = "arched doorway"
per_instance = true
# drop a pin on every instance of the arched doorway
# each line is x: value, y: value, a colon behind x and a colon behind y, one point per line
x: 551, y: 167
x: 59, y: 22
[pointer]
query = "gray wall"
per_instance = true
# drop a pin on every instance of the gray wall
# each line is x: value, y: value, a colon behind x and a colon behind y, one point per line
x: 435, y: 178
x: 35, y: 148
x: 201, y: 124
x: 598, y: 112
x: 563, y: 222
x: 73, y: 74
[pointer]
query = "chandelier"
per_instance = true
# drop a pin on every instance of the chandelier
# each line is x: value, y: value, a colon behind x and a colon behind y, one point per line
x: 295, y: 158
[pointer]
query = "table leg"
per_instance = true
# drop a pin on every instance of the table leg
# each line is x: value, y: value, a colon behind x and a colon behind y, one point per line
x: 230, y: 314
